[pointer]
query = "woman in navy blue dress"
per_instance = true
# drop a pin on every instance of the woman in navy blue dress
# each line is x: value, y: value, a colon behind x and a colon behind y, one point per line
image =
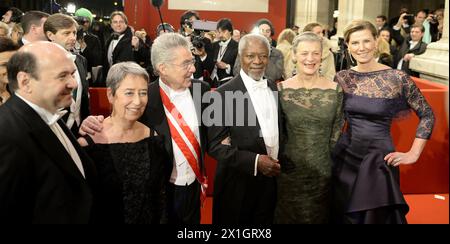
x: 365, y: 171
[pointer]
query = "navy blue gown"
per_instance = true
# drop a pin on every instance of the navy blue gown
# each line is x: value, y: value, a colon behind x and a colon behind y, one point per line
x: 365, y: 188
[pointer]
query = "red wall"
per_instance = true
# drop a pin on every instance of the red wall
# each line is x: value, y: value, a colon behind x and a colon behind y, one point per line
x: 141, y: 14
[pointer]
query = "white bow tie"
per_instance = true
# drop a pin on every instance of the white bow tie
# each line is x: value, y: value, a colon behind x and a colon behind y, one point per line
x: 57, y: 117
x: 262, y: 84
x: 223, y: 43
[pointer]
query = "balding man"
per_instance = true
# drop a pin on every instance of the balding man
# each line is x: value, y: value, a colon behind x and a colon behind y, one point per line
x: 45, y: 176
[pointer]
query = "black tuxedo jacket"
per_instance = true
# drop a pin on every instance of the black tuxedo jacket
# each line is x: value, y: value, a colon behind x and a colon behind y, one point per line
x: 229, y: 57
x: 93, y: 51
x: 123, y: 52
x: 155, y: 118
x: 81, y: 64
x: 236, y: 162
x: 420, y: 48
x: 82, y: 67
x: 40, y: 182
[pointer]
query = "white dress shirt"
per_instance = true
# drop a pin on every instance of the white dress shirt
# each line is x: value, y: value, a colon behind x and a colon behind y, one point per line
x: 52, y: 121
x: 412, y: 44
x: 25, y: 41
x: 111, y: 48
x: 222, y: 51
x: 75, y: 107
x: 265, y: 105
x: 182, y: 173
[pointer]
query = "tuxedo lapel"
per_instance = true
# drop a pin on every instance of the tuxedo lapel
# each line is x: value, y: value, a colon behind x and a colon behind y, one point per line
x: 156, y: 116
x: 88, y: 165
x: 228, y: 55
x: 81, y: 70
x: 46, y: 139
x: 250, y: 109
x: 199, y: 108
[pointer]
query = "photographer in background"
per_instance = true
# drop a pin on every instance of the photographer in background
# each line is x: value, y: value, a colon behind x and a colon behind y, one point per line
x: 225, y: 53
x: 186, y: 23
x: 431, y: 24
x: 88, y: 44
x: 204, y: 62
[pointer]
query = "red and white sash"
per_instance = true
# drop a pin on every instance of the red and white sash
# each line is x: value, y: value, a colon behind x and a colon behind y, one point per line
x: 190, y: 155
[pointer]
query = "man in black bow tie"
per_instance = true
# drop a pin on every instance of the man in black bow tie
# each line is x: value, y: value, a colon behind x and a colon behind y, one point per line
x: 123, y: 46
x: 245, y: 140
x: 45, y: 175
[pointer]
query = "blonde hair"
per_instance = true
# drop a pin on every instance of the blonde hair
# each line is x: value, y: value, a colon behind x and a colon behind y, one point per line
x: 288, y: 35
x: 383, y: 47
x: 359, y: 25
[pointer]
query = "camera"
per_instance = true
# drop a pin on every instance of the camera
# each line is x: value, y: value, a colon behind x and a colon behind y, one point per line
x: 434, y: 18
x: 409, y: 18
x: 188, y: 23
x: 342, y: 59
x: 198, y: 42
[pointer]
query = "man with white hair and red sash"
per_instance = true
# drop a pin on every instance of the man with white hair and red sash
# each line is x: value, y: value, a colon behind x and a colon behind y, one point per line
x: 174, y: 110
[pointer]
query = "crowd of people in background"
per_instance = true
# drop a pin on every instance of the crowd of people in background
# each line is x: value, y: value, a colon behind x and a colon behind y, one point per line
x: 145, y: 163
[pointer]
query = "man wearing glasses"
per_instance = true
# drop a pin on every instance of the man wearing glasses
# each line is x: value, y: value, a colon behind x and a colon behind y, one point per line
x: 174, y: 110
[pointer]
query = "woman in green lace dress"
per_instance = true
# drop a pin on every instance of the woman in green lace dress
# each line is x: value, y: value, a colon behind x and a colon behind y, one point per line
x: 312, y: 107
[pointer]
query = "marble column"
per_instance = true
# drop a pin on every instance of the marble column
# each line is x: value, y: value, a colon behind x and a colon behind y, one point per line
x: 357, y: 9
x: 433, y: 64
x: 309, y: 11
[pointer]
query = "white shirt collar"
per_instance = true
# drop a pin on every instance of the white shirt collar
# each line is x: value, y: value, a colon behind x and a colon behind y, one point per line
x: 25, y: 41
x: 252, y: 84
x: 171, y: 92
x: 47, y: 116
x: 224, y: 43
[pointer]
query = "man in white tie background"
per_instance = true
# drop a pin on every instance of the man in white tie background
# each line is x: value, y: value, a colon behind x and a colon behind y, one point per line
x: 246, y: 143
x: 174, y: 110
x: 45, y: 175
x: 225, y: 53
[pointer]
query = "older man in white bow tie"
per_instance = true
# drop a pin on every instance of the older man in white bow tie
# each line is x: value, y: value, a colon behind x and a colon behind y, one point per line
x: 45, y: 175
x: 247, y: 149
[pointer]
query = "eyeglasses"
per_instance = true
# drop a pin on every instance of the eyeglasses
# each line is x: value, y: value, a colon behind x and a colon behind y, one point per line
x: 186, y: 65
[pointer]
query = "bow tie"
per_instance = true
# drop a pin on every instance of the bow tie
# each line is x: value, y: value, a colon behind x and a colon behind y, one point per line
x: 223, y: 43
x: 115, y: 36
x: 56, y: 117
x: 262, y: 84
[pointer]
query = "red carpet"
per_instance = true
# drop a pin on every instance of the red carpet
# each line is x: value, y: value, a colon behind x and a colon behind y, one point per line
x: 423, y: 209
x: 426, y: 209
